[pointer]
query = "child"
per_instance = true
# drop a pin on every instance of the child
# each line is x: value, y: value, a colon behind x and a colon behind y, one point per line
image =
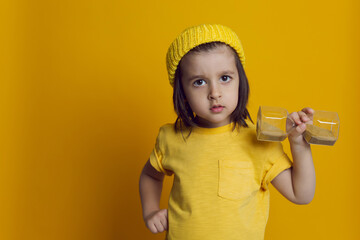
x: 221, y: 172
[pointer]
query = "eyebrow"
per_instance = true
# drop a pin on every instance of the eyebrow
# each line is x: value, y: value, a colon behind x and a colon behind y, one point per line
x: 201, y: 76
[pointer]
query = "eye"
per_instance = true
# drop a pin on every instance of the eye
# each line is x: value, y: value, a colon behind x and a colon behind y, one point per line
x: 225, y: 78
x: 199, y: 83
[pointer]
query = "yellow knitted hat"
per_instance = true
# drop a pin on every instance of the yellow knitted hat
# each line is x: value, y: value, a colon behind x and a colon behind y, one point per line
x: 196, y: 35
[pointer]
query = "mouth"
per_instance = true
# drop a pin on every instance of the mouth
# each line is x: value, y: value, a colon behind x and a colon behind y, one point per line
x: 217, y: 108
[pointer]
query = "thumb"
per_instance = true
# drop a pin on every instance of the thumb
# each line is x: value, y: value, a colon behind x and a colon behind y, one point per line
x: 298, y: 130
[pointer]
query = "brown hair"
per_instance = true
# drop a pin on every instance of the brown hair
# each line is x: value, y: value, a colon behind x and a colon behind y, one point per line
x: 185, y: 119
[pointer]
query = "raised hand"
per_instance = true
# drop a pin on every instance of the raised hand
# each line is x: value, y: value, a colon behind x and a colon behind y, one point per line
x: 297, y: 124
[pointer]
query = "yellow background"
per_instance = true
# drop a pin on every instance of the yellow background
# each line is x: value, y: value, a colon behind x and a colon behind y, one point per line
x: 84, y: 90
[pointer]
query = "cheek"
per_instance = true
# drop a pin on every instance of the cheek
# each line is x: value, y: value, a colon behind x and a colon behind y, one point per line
x: 196, y: 100
x: 234, y: 96
x: 191, y: 95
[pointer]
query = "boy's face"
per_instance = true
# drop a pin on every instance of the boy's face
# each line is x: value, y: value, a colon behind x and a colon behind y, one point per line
x: 211, y: 84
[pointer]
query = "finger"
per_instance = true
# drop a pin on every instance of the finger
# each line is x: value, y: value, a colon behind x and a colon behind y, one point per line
x: 165, y: 219
x: 164, y: 222
x: 159, y: 226
x: 309, y: 112
x: 295, y: 117
x: 303, y: 116
x: 152, y: 228
x: 301, y: 128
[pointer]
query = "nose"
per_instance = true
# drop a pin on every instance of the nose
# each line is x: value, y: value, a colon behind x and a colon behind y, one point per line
x: 214, y: 92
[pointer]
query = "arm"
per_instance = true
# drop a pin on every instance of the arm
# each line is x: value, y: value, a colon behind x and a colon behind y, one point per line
x: 297, y: 184
x: 150, y: 187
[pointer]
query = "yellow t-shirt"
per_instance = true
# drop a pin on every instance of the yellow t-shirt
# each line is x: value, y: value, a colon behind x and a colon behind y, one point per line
x: 221, y: 178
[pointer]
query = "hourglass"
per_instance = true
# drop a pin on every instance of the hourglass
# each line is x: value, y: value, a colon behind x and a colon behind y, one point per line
x: 274, y: 124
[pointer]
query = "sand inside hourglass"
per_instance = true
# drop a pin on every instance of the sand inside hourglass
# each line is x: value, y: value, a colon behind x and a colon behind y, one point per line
x: 317, y: 135
x: 269, y: 132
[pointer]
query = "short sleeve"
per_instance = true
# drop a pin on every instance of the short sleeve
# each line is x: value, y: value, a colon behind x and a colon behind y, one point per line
x: 157, y: 155
x: 276, y: 162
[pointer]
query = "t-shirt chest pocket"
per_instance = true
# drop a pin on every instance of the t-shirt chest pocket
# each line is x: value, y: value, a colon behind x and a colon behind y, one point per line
x: 236, y: 179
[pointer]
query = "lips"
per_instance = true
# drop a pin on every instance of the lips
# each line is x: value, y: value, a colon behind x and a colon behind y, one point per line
x: 217, y: 108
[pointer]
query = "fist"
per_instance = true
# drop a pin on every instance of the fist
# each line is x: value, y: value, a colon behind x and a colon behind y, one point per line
x: 157, y: 221
x: 296, y: 124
